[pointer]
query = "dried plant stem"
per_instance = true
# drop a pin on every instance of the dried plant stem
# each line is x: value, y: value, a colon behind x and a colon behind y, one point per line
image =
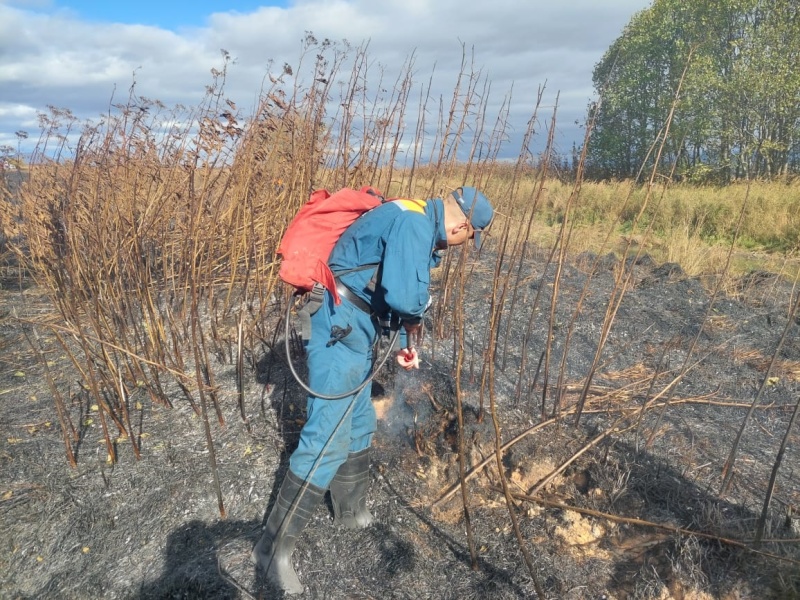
x: 68, y: 433
x: 447, y: 494
x: 744, y: 545
x: 499, y: 456
x: 728, y: 467
x: 123, y: 397
x: 240, y: 373
x: 774, y: 475
x: 614, y: 430
x: 624, y: 274
x: 201, y: 368
x: 584, y: 292
x: 704, y: 321
x: 459, y: 342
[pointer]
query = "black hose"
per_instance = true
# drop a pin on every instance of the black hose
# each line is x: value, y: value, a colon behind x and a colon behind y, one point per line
x: 352, y: 392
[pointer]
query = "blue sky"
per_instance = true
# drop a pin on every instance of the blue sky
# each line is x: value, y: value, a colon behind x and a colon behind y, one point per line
x: 83, y: 55
x: 167, y: 14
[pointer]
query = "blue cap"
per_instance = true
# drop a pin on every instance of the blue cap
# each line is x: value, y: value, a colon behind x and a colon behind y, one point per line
x: 477, y: 207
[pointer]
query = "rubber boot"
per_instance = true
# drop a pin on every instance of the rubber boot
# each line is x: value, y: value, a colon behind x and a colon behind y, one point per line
x: 289, y: 516
x: 349, y: 492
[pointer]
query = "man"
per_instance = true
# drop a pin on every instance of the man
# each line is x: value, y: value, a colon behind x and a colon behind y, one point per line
x: 384, y: 260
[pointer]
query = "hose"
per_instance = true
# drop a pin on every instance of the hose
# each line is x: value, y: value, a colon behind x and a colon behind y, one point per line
x: 352, y: 392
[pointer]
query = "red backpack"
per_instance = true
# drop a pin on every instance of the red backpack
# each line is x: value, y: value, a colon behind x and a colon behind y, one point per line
x: 314, y: 231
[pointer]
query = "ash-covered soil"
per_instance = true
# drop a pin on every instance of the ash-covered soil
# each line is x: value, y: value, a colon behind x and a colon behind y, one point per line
x: 151, y: 528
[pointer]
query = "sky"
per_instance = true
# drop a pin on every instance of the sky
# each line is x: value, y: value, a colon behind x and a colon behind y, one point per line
x: 82, y: 54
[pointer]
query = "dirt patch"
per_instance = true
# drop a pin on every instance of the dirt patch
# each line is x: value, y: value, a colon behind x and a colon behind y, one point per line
x: 151, y: 528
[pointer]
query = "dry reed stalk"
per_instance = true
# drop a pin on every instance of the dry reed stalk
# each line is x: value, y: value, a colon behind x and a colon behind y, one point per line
x: 744, y: 545
x: 458, y: 321
x: 623, y: 274
x: 68, y: 433
x: 728, y: 467
x: 495, y: 311
x: 153, y: 240
x: 522, y: 240
x: 762, y: 520
x: 602, y: 396
x: 703, y: 322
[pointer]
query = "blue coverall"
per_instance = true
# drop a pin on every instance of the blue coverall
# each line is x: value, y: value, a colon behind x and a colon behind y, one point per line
x: 400, y: 237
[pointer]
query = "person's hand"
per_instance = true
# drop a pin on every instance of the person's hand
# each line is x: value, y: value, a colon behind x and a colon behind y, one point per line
x: 408, y: 358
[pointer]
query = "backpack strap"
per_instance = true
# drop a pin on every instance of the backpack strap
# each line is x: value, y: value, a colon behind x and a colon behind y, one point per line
x: 316, y: 296
x: 312, y: 304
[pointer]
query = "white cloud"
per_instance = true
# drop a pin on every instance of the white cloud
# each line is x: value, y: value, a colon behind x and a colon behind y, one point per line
x: 52, y: 58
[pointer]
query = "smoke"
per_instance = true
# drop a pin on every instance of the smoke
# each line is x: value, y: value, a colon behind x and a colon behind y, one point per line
x: 404, y: 405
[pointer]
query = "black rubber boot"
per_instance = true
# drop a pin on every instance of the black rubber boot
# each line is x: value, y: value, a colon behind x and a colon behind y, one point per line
x: 289, y: 516
x: 349, y: 492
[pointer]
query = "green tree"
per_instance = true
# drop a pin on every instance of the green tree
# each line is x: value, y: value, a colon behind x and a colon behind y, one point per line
x: 739, y: 112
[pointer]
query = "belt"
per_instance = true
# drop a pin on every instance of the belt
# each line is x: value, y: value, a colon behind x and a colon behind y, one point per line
x: 359, y: 303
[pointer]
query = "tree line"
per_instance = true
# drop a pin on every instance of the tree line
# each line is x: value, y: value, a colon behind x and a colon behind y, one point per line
x: 737, y: 113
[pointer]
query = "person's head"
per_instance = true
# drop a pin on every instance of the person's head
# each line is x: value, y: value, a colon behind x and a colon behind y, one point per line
x: 467, y: 213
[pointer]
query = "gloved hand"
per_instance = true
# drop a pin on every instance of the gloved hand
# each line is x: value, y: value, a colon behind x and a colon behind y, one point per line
x: 408, y: 358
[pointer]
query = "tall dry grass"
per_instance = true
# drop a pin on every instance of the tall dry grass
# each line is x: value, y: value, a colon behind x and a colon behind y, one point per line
x: 155, y: 230
x: 691, y: 225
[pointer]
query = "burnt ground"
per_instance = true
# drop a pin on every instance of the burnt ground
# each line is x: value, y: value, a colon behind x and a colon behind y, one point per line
x: 151, y: 528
